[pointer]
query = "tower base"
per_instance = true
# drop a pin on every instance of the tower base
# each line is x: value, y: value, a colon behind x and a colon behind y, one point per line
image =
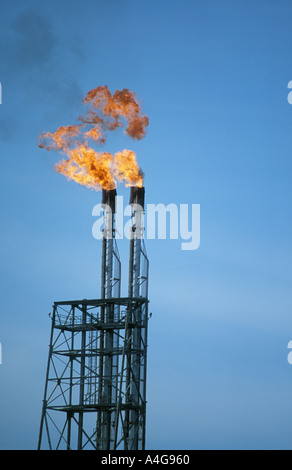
x: 95, y: 388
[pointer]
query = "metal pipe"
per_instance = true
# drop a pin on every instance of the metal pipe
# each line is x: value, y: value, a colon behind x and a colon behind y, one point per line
x: 106, y: 340
x: 108, y: 202
x: 137, y: 196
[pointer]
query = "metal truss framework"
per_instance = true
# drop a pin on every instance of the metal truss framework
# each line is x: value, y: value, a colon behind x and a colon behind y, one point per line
x: 95, y: 390
x: 88, y: 405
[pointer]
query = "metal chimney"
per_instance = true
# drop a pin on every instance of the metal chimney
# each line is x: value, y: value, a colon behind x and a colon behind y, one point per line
x: 108, y: 203
x: 109, y: 339
x: 137, y: 288
x: 95, y: 388
x: 137, y: 198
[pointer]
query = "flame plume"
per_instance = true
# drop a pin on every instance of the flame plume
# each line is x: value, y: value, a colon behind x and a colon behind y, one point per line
x: 123, y: 104
x: 106, y: 112
x: 88, y: 168
x: 59, y: 140
x: 126, y: 169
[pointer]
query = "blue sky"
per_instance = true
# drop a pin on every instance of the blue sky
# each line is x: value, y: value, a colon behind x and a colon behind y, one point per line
x: 212, y: 77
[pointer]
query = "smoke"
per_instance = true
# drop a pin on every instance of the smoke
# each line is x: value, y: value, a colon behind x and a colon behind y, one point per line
x: 36, y: 68
x: 35, y: 41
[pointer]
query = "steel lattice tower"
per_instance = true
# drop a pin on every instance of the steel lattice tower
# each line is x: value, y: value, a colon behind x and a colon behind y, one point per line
x: 95, y: 388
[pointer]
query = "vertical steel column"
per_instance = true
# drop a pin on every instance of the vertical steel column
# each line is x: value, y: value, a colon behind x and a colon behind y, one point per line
x: 44, y: 410
x: 82, y: 378
x: 69, y: 412
x: 106, y: 362
x: 134, y: 359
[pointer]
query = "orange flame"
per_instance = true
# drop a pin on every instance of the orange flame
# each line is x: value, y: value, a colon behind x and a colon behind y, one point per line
x: 126, y: 169
x: 122, y: 104
x: 88, y: 168
x: 83, y: 164
x: 61, y: 139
